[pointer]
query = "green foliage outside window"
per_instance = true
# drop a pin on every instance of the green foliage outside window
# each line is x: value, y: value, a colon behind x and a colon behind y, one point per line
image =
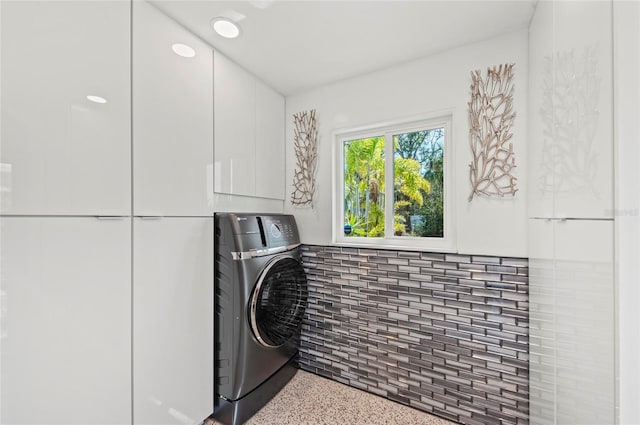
x: 417, y: 185
x: 364, y: 186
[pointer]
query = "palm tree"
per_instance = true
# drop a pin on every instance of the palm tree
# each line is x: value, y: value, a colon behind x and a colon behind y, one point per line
x: 409, y: 186
x: 426, y: 147
x: 364, y: 185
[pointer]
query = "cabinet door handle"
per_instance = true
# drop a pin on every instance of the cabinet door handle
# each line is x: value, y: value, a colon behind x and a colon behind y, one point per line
x: 550, y: 218
x: 110, y: 217
x: 150, y: 217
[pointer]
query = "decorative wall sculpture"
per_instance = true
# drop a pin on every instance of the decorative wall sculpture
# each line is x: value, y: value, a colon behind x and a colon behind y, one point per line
x: 491, y: 116
x: 306, y: 150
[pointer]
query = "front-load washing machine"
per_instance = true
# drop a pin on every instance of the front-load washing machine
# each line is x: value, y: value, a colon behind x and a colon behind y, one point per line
x: 260, y: 298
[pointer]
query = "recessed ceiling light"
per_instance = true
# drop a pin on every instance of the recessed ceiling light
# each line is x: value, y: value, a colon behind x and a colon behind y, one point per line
x: 97, y: 99
x: 183, y: 50
x: 225, y: 27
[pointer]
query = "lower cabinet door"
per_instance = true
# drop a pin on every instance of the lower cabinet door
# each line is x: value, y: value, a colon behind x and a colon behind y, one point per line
x: 571, y: 322
x: 65, y: 320
x: 172, y: 320
x: 584, y: 322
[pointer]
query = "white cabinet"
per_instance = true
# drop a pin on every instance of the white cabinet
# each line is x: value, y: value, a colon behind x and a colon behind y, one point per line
x: 571, y: 230
x: 571, y: 296
x: 66, y: 282
x: 571, y: 132
x: 173, y: 257
x: 173, y: 320
x: 249, y: 133
x: 65, y: 305
x: 541, y: 180
x: 269, y: 143
x: 583, y: 109
x: 627, y: 196
x: 235, y: 124
x: 173, y: 116
x: 62, y: 154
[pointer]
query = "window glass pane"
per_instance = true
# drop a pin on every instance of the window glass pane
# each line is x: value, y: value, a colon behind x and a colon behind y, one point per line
x: 418, y: 190
x: 364, y: 187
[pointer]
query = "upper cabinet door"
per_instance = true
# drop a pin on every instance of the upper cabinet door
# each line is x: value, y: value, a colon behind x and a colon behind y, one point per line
x: 582, y: 155
x: 249, y: 133
x: 173, y: 116
x: 235, y: 125
x: 66, y: 321
x: 570, y: 110
x: 269, y: 142
x: 540, y: 110
x: 61, y: 153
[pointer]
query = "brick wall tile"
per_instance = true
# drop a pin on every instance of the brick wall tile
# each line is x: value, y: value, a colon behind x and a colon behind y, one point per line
x: 443, y: 333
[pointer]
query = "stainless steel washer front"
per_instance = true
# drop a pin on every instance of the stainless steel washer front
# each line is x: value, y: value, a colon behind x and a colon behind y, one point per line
x: 260, y: 299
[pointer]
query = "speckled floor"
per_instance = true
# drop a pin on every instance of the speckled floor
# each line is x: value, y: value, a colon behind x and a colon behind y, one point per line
x: 309, y: 399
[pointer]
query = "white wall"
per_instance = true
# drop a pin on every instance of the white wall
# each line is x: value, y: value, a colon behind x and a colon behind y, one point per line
x: 627, y: 130
x: 489, y: 226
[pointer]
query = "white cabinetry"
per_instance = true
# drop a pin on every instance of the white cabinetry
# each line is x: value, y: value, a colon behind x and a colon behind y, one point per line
x: 627, y: 196
x: 571, y: 227
x: 235, y: 126
x: 65, y: 282
x: 571, y: 136
x: 62, y: 154
x: 173, y: 116
x: 173, y: 320
x: 65, y: 300
x: 583, y: 109
x: 541, y: 180
x: 571, y: 311
x: 173, y: 256
x: 249, y: 133
x: 269, y: 143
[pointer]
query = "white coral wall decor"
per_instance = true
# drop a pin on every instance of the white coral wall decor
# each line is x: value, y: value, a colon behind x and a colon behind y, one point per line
x: 491, y: 117
x: 306, y: 149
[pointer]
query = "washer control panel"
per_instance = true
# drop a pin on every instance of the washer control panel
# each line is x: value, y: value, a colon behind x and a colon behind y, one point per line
x: 280, y: 230
x: 275, y: 231
x: 256, y: 232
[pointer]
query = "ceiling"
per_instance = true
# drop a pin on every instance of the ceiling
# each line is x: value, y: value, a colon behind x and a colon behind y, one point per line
x: 296, y: 45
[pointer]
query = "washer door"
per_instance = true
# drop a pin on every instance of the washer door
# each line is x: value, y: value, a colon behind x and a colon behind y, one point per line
x: 278, y: 302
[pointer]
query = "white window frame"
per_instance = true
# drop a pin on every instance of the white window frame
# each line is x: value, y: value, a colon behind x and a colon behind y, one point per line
x: 388, y: 130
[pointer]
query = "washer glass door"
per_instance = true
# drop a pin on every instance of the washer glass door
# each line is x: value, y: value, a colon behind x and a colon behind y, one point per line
x: 278, y: 302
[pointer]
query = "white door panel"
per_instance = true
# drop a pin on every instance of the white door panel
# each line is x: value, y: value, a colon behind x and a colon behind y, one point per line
x: 173, y: 116
x: 540, y: 136
x: 66, y: 322
x: 173, y: 320
x: 584, y: 323
x: 235, y: 125
x: 270, y: 139
x: 571, y: 296
x: 62, y: 154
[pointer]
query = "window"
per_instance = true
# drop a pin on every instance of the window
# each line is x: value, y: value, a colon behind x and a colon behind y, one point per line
x: 393, y: 188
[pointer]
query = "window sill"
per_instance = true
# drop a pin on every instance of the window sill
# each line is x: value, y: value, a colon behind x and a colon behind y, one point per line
x: 415, y: 245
